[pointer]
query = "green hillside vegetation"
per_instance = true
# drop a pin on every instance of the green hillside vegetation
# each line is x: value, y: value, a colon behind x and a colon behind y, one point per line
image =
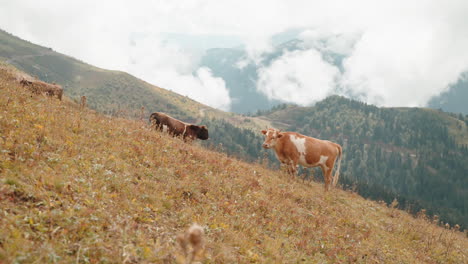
x: 77, y: 186
x: 418, y: 156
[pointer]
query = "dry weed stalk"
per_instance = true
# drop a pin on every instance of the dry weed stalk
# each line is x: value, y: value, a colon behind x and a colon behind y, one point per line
x: 142, y: 113
x: 192, y: 243
x: 83, y: 103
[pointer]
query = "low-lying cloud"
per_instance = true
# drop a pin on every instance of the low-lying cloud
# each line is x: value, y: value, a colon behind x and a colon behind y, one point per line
x: 406, y: 63
x: 201, y: 86
x: 300, y: 77
x: 399, y: 55
x: 170, y: 67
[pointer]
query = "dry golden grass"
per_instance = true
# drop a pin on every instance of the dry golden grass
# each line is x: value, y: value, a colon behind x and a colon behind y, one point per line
x: 78, y: 187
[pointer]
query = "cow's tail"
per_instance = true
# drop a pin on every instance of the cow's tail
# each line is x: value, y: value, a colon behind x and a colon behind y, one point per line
x: 338, y: 166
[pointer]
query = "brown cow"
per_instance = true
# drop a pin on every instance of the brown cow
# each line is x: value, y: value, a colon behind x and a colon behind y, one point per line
x: 39, y: 87
x: 294, y: 149
x: 176, y: 127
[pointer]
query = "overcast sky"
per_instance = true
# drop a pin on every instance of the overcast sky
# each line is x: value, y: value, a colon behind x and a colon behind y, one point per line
x: 396, y: 53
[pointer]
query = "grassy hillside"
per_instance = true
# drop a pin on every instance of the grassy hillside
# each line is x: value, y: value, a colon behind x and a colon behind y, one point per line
x: 77, y: 186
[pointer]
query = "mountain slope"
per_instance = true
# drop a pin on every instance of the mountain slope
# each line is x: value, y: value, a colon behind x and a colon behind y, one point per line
x: 110, y: 92
x: 77, y: 186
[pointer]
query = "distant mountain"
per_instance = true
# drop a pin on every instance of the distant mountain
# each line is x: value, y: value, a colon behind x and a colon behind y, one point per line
x: 240, y: 79
x: 241, y: 76
x: 454, y: 100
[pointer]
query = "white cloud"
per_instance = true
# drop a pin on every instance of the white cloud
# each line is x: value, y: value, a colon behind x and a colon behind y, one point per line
x: 399, y: 53
x: 409, y: 58
x: 301, y: 77
x: 396, y: 53
x: 201, y: 86
x: 168, y: 66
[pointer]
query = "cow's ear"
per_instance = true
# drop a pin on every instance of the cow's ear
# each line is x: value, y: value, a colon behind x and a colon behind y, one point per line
x: 264, y: 132
x: 280, y: 135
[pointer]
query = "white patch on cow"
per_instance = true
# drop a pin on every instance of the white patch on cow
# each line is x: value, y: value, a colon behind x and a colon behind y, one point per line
x: 271, y: 132
x: 185, y: 130
x: 301, y: 148
x: 323, y: 162
x: 271, y: 135
x: 323, y: 159
x: 164, y: 128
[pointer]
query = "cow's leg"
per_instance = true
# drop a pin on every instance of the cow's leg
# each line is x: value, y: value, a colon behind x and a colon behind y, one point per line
x: 188, y: 139
x: 327, y: 177
x: 284, y: 164
x: 293, y: 169
x: 290, y: 168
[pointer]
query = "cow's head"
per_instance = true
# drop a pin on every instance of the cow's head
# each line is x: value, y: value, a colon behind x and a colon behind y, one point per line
x: 201, y: 132
x: 271, y: 136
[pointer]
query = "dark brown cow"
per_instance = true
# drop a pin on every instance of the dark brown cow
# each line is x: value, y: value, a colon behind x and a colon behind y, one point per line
x: 294, y: 149
x: 39, y: 87
x: 176, y: 127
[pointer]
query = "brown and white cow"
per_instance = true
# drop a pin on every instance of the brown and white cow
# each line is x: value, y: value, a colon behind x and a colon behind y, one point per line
x: 176, y: 127
x: 293, y: 149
